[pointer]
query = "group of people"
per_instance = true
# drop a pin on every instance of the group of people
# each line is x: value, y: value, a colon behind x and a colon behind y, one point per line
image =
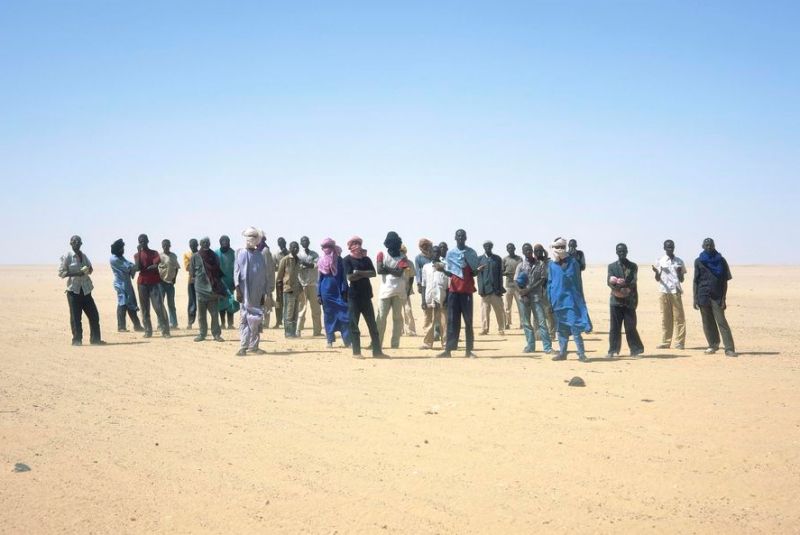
x: 336, y: 291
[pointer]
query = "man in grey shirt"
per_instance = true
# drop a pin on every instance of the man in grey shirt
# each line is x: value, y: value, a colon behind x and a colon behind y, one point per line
x: 76, y: 268
x: 308, y: 275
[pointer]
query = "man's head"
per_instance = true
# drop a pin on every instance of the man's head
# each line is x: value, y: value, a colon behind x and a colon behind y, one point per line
x: 527, y: 251
x: 224, y: 243
x: 622, y: 251
x: 461, y: 238
x: 435, y: 253
x: 165, y: 246
x: 540, y: 252
x: 669, y: 248
x: 511, y: 249
x: 205, y: 243
x: 393, y: 243
x: 305, y: 242
x: 75, y: 242
x: 143, y: 240
x: 487, y: 247
x: 572, y: 246
x: 118, y: 248
x: 193, y: 245
x: 252, y: 238
x: 443, y: 249
x: 708, y: 245
x: 282, y: 244
x: 294, y: 248
x: 425, y: 247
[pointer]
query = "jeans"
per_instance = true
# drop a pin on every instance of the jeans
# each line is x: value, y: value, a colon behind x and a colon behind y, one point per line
x: 458, y: 306
x: 358, y: 307
x: 623, y: 315
x: 714, y: 324
x: 151, y: 294
x: 168, y: 292
x: 395, y: 304
x: 78, y: 305
x: 564, y: 332
x: 534, y: 310
x: 290, y: 314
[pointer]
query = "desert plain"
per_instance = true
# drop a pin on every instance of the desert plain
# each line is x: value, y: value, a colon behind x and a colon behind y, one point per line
x: 173, y: 436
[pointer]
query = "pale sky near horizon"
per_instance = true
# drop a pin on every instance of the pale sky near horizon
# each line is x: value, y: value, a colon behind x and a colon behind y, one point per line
x: 518, y: 121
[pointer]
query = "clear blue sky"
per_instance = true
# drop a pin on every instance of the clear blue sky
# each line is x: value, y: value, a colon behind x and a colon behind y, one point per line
x: 519, y: 121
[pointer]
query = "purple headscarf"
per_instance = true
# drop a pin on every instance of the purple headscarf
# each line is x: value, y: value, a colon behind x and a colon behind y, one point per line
x: 327, y: 264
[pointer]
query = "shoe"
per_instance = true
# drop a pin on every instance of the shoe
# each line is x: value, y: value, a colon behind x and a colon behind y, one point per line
x: 122, y: 330
x: 189, y: 327
x: 380, y: 356
x: 560, y: 357
x: 395, y: 346
x: 199, y: 338
x: 166, y: 335
x: 662, y: 346
x: 443, y: 355
x: 138, y: 329
x: 548, y: 351
x: 679, y: 346
x: 258, y: 351
x: 508, y: 325
x: 731, y: 353
x: 583, y: 358
x: 219, y: 339
x: 636, y: 354
x: 242, y: 352
x: 329, y: 345
x: 470, y: 355
x: 98, y: 343
x: 148, y: 335
x: 175, y: 327
x: 483, y: 333
x: 611, y: 355
x: 425, y: 346
x: 358, y: 356
x: 77, y: 343
x: 502, y: 333
x: 527, y: 349
x: 710, y: 350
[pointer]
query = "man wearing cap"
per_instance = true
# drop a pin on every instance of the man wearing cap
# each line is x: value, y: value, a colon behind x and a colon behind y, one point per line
x: 250, y: 287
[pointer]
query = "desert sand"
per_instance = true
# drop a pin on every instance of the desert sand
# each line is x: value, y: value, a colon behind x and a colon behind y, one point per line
x: 173, y: 436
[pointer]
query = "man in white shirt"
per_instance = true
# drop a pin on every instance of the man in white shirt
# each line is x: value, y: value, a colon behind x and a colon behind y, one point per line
x: 669, y: 273
x: 434, y: 297
x: 391, y: 266
x: 76, y: 268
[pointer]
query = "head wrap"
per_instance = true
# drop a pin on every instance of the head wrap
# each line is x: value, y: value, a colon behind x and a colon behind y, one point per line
x: 393, y: 243
x: 713, y: 261
x: 117, y: 247
x: 425, y: 245
x: 559, y: 254
x: 327, y: 264
x: 354, y: 246
x: 252, y: 237
x: 262, y: 244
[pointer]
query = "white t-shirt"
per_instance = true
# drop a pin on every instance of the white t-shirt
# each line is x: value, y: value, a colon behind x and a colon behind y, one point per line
x: 670, y: 267
x: 434, y: 283
x: 391, y: 285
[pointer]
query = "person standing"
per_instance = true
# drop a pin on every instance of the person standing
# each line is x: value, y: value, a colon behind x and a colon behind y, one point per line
x: 510, y: 264
x: 149, y: 283
x: 565, y: 295
x: 269, y: 262
x: 541, y: 255
x: 124, y: 271
x: 461, y: 263
x: 420, y: 261
x: 191, y: 309
x: 209, y: 289
x: 287, y: 274
x: 669, y: 273
x: 227, y: 260
x: 623, y: 302
x: 490, y: 288
x: 168, y: 271
x: 308, y: 275
x: 434, y: 298
x: 76, y: 267
x: 359, y: 270
x: 530, y: 277
x: 711, y: 276
x: 409, y: 325
x: 392, y: 294
x: 282, y: 253
x: 332, y: 292
x: 574, y: 252
x: 250, y: 286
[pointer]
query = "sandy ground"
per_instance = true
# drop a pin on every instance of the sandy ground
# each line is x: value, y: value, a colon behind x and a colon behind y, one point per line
x: 173, y: 436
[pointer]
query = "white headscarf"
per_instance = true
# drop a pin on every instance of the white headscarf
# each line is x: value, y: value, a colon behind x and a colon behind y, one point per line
x: 559, y: 254
x: 252, y: 237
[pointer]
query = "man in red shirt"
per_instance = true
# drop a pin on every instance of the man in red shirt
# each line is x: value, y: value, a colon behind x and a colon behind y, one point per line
x: 149, y: 283
x: 461, y: 265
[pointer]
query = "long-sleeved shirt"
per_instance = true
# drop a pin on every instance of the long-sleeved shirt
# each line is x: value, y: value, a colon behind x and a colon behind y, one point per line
x: 250, y: 276
x: 143, y: 260
x: 707, y: 286
x: 307, y: 275
x: 287, y: 274
x: 510, y: 264
x: 534, y: 292
x: 419, y: 263
x: 490, y: 279
x: 627, y: 271
x: 71, y: 269
x: 168, y: 267
x: 269, y: 261
x: 187, y: 258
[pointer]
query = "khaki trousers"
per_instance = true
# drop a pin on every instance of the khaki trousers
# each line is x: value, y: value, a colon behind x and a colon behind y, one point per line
x: 672, y: 319
x: 409, y: 326
x: 489, y: 302
x: 307, y: 299
x: 512, y: 294
x: 438, y: 316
